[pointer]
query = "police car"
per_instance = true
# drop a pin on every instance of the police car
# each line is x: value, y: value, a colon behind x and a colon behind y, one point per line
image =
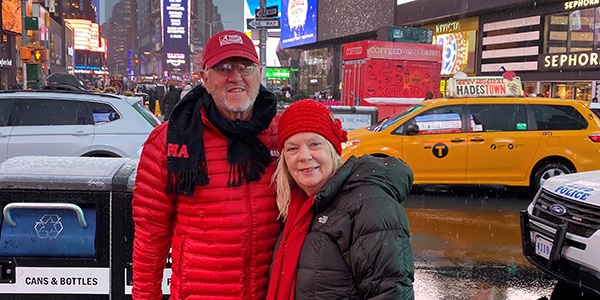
x: 561, y: 232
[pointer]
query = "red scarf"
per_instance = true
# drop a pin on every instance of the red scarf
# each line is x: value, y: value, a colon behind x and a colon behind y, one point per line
x: 282, y: 285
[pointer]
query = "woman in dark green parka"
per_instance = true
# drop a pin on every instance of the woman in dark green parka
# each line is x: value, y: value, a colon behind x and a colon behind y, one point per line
x: 346, y: 234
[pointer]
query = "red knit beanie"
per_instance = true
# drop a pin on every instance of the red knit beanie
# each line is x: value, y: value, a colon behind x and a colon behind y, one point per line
x: 308, y: 115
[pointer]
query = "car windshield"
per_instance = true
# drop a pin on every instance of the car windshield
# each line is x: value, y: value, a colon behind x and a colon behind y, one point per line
x: 392, y: 119
x: 148, y: 116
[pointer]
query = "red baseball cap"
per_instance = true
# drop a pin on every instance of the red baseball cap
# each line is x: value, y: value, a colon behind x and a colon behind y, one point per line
x: 226, y: 44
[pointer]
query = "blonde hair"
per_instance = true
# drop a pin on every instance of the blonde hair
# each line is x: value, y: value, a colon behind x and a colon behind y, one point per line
x: 110, y: 89
x: 284, y: 182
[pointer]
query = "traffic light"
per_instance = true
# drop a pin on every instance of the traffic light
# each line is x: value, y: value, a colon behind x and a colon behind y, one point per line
x: 25, y: 53
x: 137, y: 61
x: 37, y: 55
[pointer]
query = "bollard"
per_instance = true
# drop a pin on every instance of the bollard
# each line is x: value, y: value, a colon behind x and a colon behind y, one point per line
x: 157, y: 108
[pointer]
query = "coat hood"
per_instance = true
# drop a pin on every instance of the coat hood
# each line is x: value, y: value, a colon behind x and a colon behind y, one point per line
x: 390, y: 174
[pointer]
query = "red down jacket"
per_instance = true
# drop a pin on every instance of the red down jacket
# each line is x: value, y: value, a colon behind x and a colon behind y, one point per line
x: 222, y: 238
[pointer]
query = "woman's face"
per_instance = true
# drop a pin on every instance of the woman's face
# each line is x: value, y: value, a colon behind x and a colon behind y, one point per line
x: 309, y: 160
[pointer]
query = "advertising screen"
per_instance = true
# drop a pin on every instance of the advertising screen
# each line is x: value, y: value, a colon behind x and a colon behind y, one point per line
x: 459, y: 51
x: 298, y: 22
x: 11, y: 16
x: 175, y: 19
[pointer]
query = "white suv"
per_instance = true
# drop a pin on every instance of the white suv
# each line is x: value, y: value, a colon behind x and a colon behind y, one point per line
x: 72, y: 123
x: 560, y: 233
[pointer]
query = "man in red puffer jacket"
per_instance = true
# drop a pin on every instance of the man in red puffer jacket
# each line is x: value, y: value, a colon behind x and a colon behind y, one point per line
x: 203, y: 184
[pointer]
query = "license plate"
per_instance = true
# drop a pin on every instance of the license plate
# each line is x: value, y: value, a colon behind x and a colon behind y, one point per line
x: 543, y: 247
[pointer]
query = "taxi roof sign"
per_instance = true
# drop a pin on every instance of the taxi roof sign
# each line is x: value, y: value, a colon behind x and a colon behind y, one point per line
x: 508, y: 85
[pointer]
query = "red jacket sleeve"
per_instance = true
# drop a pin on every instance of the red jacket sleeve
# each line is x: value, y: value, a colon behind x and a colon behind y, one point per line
x: 153, y: 214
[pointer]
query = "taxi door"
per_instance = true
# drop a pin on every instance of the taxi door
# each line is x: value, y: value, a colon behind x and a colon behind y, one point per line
x: 501, y: 144
x: 438, y: 153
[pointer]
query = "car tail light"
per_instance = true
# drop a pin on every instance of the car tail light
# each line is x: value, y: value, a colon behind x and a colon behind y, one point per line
x: 595, y: 137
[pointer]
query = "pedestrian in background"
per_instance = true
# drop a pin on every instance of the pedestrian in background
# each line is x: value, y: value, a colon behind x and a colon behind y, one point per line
x: 346, y: 234
x: 171, y: 99
x: 186, y: 89
x: 203, y: 184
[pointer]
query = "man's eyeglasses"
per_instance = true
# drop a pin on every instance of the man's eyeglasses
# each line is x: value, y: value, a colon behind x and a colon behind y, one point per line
x: 244, y: 68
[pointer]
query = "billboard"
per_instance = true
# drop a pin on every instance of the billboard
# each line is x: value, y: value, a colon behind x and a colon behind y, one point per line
x: 86, y: 33
x: 459, y: 51
x: 175, y: 28
x: 298, y: 22
x: 11, y: 16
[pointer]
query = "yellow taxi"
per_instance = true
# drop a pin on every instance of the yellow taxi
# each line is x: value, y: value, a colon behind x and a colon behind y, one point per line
x: 485, y: 132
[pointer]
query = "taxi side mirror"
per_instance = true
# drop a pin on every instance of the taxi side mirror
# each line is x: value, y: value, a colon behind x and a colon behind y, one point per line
x: 412, y: 129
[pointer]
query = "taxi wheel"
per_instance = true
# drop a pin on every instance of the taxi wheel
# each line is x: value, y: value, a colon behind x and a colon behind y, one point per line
x: 546, y: 171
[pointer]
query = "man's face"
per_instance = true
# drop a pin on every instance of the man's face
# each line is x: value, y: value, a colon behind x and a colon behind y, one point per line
x: 233, y: 84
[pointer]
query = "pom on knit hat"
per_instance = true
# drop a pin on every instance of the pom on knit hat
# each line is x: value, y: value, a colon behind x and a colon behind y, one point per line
x: 308, y: 115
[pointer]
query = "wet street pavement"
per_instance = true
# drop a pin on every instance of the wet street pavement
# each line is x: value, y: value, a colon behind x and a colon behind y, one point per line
x: 467, y: 244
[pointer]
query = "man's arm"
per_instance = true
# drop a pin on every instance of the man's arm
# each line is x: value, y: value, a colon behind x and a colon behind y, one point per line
x: 153, y: 216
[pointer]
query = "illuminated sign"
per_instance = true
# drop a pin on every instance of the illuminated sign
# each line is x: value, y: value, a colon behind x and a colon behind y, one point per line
x: 175, y: 22
x: 581, y: 4
x: 277, y: 73
x: 458, y: 39
x: 12, y: 20
x: 93, y: 68
x: 298, y: 22
x: 447, y: 27
x: 86, y: 35
x: 5, y: 62
x: 575, y: 60
x: 175, y: 59
x: 392, y: 50
x: 484, y: 86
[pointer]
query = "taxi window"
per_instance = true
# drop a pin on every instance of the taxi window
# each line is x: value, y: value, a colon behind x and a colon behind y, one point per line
x: 498, y: 117
x: 392, y: 119
x: 439, y: 120
x: 558, y: 117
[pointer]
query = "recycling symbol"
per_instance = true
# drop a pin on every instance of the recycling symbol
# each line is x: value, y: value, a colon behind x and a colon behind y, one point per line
x: 48, y: 227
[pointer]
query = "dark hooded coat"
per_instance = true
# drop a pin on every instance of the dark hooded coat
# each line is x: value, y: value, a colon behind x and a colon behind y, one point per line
x: 358, y: 244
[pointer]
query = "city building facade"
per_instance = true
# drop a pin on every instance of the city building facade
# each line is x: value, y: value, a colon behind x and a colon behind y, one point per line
x: 47, y: 32
x: 551, y: 45
x: 172, y: 35
x: 121, y: 33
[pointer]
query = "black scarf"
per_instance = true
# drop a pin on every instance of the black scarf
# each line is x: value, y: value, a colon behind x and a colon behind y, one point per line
x: 247, y: 155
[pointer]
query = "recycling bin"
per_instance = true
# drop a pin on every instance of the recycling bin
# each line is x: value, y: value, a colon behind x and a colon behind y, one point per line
x: 66, y: 230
